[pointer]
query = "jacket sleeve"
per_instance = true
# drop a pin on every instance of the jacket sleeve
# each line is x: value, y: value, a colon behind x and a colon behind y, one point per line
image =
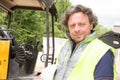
x: 104, y: 69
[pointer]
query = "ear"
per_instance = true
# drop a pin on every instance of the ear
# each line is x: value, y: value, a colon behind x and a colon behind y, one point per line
x: 91, y: 26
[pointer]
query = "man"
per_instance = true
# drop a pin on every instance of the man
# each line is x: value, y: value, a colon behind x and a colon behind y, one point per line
x: 84, y: 56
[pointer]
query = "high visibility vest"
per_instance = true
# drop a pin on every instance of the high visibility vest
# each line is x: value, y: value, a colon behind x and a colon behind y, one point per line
x: 88, y: 61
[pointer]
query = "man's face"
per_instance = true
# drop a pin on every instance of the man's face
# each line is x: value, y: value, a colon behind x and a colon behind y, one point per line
x: 79, y: 26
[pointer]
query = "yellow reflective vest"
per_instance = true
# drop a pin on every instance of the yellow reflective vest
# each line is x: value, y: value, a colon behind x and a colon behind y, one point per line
x: 84, y: 70
x: 87, y: 63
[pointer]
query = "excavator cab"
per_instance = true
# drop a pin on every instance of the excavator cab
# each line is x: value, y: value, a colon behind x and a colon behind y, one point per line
x: 17, y: 61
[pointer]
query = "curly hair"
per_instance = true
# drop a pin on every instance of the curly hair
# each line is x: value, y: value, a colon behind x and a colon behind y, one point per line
x: 79, y: 8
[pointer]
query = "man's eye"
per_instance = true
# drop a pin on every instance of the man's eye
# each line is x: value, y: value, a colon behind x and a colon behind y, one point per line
x: 81, y: 25
x: 72, y: 26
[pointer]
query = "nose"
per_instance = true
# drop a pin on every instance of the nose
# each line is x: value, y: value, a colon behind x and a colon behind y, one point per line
x: 77, y: 28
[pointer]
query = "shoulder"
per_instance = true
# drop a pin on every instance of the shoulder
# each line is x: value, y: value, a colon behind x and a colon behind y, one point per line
x: 105, y: 66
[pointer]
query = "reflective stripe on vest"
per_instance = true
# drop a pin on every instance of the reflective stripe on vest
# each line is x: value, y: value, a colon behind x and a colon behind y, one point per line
x: 88, y: 61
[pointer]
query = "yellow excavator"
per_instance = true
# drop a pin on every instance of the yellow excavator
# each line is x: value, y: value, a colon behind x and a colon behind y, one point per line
x: 17, y: 61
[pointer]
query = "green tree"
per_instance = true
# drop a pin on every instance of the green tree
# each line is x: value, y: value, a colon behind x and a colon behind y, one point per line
x: 3, y: 20
x: 62, y: 6
x: 29, y: 25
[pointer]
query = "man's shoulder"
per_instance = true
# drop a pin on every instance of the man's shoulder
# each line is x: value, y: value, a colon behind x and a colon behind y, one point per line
x: 105, y: 66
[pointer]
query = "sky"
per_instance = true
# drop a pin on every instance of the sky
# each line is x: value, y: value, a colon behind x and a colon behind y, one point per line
x: 107, y: 11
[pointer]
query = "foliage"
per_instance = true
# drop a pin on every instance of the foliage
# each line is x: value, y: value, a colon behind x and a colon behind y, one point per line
x: 101, y: 29
x: 3, y: 20
x: 59, y: 30
x: 30, y: 25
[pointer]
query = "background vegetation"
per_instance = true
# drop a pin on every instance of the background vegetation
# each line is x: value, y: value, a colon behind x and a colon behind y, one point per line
x: 30, y: 25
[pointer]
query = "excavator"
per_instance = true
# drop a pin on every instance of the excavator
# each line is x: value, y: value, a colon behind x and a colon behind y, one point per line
x: 17, y: 61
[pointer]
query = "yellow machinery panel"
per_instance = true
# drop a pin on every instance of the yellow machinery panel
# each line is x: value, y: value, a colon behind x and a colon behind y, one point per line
x: 4, y: 58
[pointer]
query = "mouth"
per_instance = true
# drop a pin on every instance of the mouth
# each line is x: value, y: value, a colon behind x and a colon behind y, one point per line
x: 78, y: 35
